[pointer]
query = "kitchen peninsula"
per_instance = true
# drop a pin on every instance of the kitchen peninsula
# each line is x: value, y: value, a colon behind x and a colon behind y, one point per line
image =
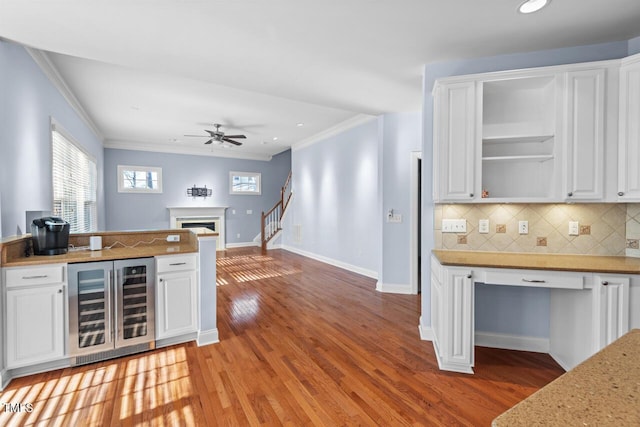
x: 142, y: 290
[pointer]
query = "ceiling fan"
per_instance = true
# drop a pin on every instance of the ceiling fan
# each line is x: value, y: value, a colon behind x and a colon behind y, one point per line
x: 219, y: 137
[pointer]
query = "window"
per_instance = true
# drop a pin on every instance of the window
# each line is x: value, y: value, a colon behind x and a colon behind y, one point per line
x: 75, y: 180
x: 139, y: 179
x: 244, y: 183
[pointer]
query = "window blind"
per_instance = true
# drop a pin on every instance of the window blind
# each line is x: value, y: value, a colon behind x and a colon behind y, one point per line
x: 74, y: 183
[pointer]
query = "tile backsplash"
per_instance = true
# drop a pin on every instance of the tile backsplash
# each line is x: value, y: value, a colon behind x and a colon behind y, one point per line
x: 604, y: 228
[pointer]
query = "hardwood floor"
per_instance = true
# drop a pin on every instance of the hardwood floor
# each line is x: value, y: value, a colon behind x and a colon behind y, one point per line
x: 301, y: 343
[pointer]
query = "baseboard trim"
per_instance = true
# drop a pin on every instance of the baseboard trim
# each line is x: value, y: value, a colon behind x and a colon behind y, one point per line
x: 355, y: 269
x: 512, y: 342
x: 242, y: 245
x: 394, y: 288
x: 207, y: 337
x: 426, y: 333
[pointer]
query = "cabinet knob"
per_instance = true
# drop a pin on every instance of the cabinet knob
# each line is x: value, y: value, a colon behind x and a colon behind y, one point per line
x: 161, y: 280
x: 59, y: 291
x: 470, y: 194
x: 570, y: 194
x: 605, y: 283
x: 469, y: 276
x: 620, y: 193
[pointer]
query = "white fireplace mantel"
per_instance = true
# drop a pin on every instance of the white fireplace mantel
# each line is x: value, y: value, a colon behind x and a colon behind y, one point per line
x: 200, y: 212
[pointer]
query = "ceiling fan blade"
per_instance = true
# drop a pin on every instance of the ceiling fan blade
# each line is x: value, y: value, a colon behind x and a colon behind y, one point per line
x: 208, y: 142
x: 231, y: 141
x: 235, y: 136
x: 199, y: 136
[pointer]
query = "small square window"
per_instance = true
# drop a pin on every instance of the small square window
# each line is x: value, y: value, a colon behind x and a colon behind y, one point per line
x: 139, y: 179
x: 244, y: 183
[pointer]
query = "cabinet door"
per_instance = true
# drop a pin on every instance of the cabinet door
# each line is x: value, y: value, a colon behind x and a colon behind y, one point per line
x: 584, y: 135
x: 611, y: 309
x: 454, y: 141
x: 458, y: 328
x: 35, y: 325
x: 629, y: 131
x: 177, y: 301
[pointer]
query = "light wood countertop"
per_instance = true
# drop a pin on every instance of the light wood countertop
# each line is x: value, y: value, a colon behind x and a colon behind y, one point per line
x: 604, y: 390
x: 531, y: 261
x: 116, y: 245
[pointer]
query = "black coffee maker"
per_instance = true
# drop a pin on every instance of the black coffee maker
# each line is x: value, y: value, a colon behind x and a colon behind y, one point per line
x: 50, y: 236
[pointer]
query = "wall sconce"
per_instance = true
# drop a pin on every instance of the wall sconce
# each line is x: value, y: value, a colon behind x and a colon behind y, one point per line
x: 199, y: 191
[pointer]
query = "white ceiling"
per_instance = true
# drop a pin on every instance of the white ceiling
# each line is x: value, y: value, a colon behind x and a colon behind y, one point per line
x: 148, y: 72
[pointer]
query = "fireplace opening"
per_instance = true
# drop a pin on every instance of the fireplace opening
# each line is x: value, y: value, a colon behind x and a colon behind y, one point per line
x: 210, y: 225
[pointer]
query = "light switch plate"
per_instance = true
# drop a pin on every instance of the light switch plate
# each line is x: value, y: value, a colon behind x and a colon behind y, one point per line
x: 483, y: 226
x: 454, y: 225
x: 523, y: 227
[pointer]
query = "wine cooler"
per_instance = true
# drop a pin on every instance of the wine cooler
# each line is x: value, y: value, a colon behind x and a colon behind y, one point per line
x: 111, y: 309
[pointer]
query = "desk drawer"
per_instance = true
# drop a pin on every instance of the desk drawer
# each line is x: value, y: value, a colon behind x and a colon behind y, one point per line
x: 27, y: 276
x: 533, y: 278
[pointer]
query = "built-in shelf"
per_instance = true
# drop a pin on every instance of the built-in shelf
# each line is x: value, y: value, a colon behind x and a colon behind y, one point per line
x: 515, y: 139
x: 530, y: 158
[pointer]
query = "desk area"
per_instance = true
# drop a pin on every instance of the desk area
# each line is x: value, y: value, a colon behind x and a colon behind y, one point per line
x: 593, y: 300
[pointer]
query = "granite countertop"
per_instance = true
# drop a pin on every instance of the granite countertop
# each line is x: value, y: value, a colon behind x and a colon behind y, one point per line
x: 531, y: 261
x: 116, y: 245
x: 604, y: 390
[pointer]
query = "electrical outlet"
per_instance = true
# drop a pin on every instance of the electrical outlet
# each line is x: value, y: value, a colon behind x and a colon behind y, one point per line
x: 574, y: 228
x: 249, y: 211
x: 173, y: 238
x: 454, y: 225
x: 523, y: 227
x: 483, y: 226
x: 394, y: 218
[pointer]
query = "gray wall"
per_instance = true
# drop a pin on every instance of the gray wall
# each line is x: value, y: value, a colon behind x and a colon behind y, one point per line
x: 127, y: 211
x: 27, y: 102
x: 519, y: 319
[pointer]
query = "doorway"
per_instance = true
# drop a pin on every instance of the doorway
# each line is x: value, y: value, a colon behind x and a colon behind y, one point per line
x: 416, y: 222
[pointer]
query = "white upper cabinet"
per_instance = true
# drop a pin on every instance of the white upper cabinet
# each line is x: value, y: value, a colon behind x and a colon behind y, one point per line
x: 629, y: 131
x: 584, y: 135
x: 454, y: 135
x: 547, y: 134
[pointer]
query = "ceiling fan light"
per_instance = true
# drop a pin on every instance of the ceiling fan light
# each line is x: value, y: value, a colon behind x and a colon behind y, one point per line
x: 531, y: 6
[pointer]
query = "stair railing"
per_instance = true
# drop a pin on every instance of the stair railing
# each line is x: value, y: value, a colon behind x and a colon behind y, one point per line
x: 271, y: 221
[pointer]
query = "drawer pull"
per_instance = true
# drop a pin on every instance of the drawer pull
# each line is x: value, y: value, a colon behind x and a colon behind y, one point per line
x: 43, y: 276
x: 178, y: 263
x: 533, y: 280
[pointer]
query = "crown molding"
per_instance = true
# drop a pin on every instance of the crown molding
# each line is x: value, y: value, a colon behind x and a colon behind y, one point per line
x: 334, y: 130
x: 44, y: 62
x: 194, y: 151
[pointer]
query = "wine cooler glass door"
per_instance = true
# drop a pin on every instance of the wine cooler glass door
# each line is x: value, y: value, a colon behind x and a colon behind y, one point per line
x: 135, y: 301
x: 90, y: 309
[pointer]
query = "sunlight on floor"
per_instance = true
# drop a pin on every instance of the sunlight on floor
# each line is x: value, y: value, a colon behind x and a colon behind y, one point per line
x: 245, y: 268
x: 158, y: 381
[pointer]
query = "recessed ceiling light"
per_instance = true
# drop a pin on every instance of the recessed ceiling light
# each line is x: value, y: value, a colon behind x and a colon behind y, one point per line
x: 300, y: 124
x: 531, y: 6
x: 275, y: 138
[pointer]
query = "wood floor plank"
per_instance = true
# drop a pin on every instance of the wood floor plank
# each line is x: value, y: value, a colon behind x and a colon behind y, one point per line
x: 301, y: 343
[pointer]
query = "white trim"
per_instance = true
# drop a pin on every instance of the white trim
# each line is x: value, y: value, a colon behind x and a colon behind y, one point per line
x: 43, y: 61
x: 414, y: 238
x: 512, y: 342
x: 394, y: 288
x: 183, y: 149
x: 426, y: 333
x: 355, y: 269
x: 208, y: 337
x: 332, y: 131
x: 242, y: 245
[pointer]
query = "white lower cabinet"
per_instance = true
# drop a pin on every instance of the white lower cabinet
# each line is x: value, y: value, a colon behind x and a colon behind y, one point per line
x: 452, y: 314
x: 35, y: 315
x: 611, y: 309
x: 176, y: 296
